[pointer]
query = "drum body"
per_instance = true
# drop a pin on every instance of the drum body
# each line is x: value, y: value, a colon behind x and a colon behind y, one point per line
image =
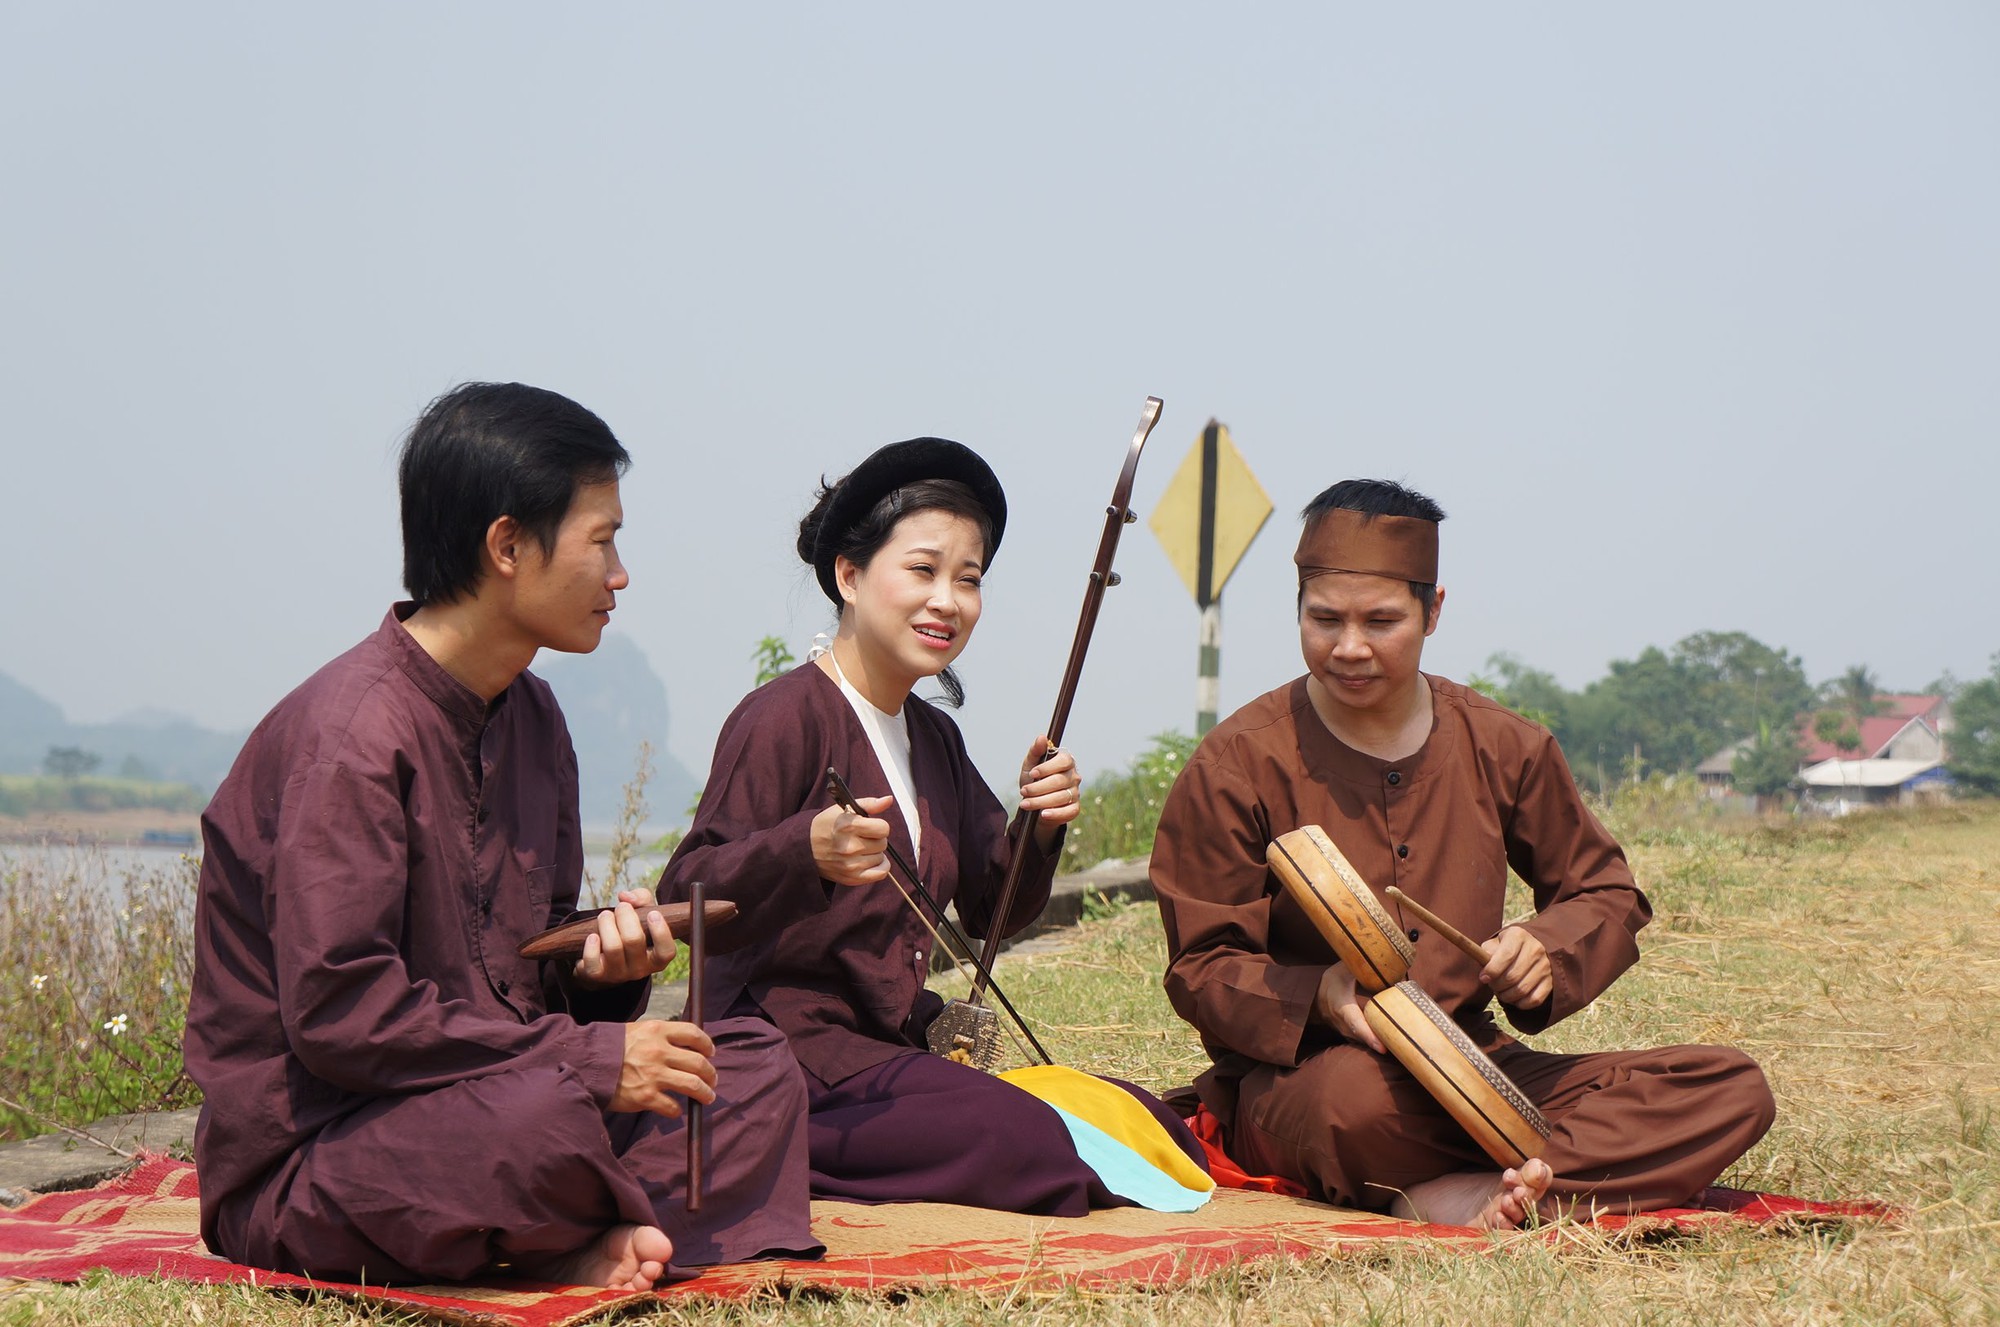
x: 1342, y: 907
x: 1483, y: 1100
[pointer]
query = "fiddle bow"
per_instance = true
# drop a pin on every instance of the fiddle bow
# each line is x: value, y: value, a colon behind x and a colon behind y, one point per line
x: 949, y: 937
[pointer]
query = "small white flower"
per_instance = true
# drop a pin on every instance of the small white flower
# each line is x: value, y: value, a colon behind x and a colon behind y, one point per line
x: 39, y: 980
x: 115, y: 1025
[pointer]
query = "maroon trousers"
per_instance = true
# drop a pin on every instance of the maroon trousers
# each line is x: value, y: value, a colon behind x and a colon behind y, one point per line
x: 921, y: 1128
x: 442, y: 1185
x: 1632, y: 1130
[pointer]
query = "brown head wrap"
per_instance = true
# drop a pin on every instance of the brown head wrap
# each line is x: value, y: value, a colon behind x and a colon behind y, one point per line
x: 1403, y: 547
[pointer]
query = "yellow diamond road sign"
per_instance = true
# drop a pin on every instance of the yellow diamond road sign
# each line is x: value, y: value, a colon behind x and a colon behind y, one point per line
x: 1213, y: 493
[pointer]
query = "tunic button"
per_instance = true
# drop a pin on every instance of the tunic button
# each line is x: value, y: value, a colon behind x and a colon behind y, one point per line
x: 482, y: 815
x: 505, y: 985
x: 1394, y: 778
x: 486, y: 907
x: 1413, y: 935
x: 1403, y: 850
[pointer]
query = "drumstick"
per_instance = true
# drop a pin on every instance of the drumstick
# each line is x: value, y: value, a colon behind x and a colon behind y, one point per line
x: 1473, y: 949
x: 697, y: 956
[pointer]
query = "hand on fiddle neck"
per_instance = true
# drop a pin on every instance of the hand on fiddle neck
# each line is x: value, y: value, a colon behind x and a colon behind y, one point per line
x: 852, y: 849
x: 1050, y: 786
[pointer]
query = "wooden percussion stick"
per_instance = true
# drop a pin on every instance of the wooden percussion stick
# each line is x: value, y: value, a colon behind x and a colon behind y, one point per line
x: 697, y: 1126
x: 1473, y: 949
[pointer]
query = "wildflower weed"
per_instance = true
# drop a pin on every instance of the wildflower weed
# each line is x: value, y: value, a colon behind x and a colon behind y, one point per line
x: 94, y: 984
x: 1121, y: 811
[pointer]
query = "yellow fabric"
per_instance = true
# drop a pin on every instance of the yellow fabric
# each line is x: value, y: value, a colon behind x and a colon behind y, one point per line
x: 1115, y: 1111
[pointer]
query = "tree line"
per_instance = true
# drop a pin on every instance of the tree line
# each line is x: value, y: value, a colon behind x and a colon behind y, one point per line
x: 1670, y: 709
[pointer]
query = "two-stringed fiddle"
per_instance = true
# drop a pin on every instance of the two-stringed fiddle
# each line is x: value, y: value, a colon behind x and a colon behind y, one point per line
x: 968, y: 1027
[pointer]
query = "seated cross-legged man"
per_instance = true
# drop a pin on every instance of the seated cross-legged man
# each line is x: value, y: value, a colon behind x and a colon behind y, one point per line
x: 390, y: 1092
x: 1428, y: 786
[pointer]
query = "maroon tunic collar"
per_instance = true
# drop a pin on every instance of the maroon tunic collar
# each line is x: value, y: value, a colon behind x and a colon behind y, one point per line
x: 452, y: 696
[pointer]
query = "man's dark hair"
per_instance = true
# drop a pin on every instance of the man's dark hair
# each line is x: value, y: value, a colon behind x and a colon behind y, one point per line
x: 1376, y: 497
x: 485, y: 450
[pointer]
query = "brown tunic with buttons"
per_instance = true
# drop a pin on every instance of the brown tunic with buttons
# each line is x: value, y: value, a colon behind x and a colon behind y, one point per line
x: 1487, y: 791
x: 390, y: 1092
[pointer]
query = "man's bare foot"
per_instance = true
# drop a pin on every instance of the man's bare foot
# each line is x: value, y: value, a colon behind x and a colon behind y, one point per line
x: 622, y: 1258
x: 1477, y: 1198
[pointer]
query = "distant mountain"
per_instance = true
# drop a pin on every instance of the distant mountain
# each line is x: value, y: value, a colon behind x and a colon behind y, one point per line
x: 613, y: 701
x: 150, y: 744
x: 29, y: 726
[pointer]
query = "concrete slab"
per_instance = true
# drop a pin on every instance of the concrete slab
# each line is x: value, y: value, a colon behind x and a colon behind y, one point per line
x: 58, y: 1161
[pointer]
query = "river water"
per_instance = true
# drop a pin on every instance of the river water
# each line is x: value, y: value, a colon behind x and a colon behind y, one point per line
x: 113, y: 866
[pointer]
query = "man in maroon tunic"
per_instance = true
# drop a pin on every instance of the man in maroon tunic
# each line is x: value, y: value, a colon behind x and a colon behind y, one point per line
x: 1423, y: 784
x: 390, y: 1092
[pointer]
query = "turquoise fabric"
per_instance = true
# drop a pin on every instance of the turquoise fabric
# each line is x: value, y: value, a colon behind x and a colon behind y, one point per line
x: 1125, y: 1172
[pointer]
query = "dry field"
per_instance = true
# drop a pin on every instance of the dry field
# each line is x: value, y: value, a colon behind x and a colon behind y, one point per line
x: 1859, y: 960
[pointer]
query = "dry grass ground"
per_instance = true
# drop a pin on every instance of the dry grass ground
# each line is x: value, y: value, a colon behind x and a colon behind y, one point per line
x: 1860, y: 960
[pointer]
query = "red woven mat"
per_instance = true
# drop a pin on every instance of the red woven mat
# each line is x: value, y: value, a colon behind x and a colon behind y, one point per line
x: 146, y: 1224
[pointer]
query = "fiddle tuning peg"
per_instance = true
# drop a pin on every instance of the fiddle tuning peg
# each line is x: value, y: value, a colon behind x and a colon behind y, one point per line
x: 1113, y: 579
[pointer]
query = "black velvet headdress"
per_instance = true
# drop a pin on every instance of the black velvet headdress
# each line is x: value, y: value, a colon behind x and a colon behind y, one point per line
x: 889, y: 469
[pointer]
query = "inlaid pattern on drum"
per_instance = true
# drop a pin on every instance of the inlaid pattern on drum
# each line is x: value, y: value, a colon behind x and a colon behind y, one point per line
x: 1341, y: 906
x: 1483, y: 1100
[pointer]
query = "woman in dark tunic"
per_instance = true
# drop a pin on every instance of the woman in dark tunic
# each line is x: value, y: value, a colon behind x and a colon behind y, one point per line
x: 825, y: 950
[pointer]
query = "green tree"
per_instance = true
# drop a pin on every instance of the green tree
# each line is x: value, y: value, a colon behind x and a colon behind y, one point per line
x: 1741, y: 684
x: 70, y: 762
x: 1675, y: 708
x: 1649, y: 705
x: 1529, y: 692
x: 1770, y: 765
x: 1975, y: 735
x: 772, y: 657
x: 1855, y: 693
x: 1836, y: 728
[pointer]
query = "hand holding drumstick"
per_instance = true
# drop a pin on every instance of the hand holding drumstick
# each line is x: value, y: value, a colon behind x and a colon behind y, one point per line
x: 1516, y: 967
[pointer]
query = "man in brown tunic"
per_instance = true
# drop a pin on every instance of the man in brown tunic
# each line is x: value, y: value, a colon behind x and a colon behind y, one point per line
x: 1423, y: 784
x: 390, y: 1092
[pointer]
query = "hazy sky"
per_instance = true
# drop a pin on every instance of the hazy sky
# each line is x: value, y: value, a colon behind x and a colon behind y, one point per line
x: 1689, y: 316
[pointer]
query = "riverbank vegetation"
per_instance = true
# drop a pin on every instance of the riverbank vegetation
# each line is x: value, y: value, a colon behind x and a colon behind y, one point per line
x: 33, y: 794
x: 95, y: 961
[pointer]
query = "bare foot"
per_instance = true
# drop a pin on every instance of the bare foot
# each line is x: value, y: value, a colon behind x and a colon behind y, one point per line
x: 1477, y: 1198
x: 622, y: 1258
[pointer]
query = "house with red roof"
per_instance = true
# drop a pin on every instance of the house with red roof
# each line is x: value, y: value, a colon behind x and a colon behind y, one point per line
x: 1900, y: 758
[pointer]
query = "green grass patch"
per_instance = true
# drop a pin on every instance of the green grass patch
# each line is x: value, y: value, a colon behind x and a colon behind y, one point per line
x: 32, y: 794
